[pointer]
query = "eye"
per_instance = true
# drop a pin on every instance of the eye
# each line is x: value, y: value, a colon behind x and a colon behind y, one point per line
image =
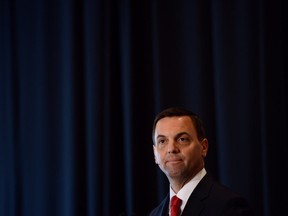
x: 183, y: 140
x: 161, y: 141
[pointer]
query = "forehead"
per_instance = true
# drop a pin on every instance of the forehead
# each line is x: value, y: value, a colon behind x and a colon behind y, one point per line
x: 175, y: 124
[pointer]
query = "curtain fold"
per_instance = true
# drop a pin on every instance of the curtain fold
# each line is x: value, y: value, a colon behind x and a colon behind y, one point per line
x: 81, y: 81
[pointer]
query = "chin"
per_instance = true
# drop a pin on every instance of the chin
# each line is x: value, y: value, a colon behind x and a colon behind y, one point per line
x: 174, y: 174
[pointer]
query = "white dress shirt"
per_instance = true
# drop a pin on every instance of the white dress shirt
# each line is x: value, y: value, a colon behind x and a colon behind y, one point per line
x: 185, y: 192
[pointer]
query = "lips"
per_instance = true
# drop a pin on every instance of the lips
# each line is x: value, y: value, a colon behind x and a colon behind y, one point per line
x: 174, y: 160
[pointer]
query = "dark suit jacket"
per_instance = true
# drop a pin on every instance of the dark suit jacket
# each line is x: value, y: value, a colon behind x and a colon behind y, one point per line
x: 209, y: 198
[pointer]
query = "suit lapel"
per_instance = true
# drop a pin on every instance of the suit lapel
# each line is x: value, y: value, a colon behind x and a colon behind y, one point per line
x: 195, y: 204
x: 164, y: 211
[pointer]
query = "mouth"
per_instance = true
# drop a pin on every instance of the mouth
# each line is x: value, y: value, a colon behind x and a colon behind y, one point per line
x: 173, y: 161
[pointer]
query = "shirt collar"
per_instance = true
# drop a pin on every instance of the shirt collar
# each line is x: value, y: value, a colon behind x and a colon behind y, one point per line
x: 185, y: 192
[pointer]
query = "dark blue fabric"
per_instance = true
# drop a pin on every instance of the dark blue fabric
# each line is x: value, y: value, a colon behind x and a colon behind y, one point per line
x: 81, y: 81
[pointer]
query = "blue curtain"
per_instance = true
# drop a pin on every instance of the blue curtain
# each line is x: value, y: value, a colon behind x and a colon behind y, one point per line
x: 81, y: 81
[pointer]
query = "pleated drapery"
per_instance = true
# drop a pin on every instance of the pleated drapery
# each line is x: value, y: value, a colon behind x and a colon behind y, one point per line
x: 81, y: 81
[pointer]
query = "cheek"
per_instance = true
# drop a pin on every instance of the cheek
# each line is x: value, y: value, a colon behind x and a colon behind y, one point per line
x: 158, y: 158
x: 194, y: 152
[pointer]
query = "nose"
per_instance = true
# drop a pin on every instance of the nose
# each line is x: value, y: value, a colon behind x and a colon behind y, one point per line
x: 172, y: 147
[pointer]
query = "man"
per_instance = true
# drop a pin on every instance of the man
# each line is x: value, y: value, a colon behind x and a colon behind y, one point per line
x: 180, y: 147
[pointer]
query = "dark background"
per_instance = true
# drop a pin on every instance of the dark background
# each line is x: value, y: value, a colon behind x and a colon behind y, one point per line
x: 81, y: 81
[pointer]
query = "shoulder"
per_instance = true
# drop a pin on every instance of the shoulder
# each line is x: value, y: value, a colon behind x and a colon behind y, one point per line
x: 220, y: 198
x: 210, y: 184
x: 219, y: 190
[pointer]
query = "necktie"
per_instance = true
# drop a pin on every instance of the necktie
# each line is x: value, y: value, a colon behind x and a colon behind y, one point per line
x: 175, y: 206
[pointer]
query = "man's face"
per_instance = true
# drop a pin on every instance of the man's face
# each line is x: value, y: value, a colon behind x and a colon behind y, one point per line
x: 177, y: 150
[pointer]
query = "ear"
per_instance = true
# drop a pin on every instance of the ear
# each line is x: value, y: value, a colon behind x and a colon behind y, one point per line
x: 154, y: 151
x: 204, y: 144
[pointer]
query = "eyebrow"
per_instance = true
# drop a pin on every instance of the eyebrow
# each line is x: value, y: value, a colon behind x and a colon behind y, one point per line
x: 177, y: 135
x: 160, y: 136
x: 183, y: 133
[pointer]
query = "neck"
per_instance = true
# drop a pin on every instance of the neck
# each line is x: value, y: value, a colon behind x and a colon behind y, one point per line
x: 178, y: 183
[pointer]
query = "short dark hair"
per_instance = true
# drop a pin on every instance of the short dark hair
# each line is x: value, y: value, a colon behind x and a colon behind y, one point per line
x: 178, y: 111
